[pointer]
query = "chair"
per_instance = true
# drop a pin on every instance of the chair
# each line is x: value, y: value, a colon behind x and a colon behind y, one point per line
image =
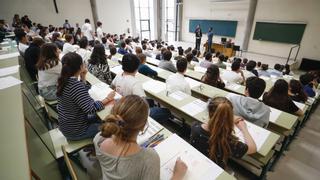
x: 237, y: 48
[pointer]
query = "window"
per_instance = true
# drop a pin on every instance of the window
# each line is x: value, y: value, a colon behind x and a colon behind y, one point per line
x: 169, y: 20
x: 144, y: 19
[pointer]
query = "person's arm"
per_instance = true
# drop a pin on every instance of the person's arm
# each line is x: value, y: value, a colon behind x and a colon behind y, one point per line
x: 299, y: 113
x: 151, y: 71
x: 180, y: 170
x: 252, y: 148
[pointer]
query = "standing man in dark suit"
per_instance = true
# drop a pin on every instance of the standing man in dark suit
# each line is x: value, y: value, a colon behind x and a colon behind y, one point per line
x: 198, y: 33
x: 210, y: 36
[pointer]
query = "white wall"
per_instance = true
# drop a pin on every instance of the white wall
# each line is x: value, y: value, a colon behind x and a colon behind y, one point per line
x: 43, y: 11
x: 289, y: 11
x: 115, y: 15
x: 205, y: 9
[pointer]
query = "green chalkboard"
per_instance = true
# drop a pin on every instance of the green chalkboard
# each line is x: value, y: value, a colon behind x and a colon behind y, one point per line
x: 279, y: 32
x: 220, y: 27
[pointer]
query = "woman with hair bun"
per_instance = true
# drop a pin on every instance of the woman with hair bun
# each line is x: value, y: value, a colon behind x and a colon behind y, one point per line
x: 117, y: 149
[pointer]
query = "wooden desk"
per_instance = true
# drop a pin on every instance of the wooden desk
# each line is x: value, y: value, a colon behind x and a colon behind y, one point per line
x: 218, y: 47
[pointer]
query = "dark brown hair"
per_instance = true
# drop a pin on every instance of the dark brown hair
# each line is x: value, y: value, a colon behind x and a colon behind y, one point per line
x: 48, y: 56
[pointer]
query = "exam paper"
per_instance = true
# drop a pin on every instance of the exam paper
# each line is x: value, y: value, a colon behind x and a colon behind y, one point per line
x: 10, y: 55
x: 193, y: 83
x: 300, y: 105
x: 199, y: 166
x: 156, y: 68
x: 153, y: 61
x: 178, y: 95
x: 265, y: 78
x: 9, y: 70
x: 233, y: 86
x: 100, y: 91
x: 154, y: 86
x: 153, y: 128
x: 8, y: 81
x: 258, y: 134
x: 117, y: 69
x: 200, y: 69
x: 194, y: 107
x: 274, y: 114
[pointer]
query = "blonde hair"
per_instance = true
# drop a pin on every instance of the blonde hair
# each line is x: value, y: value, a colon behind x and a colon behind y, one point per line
x: 220, y: 126
x: 128, y: 116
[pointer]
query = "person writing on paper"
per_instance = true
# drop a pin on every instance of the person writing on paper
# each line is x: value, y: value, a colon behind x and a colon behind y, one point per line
x: 216, y: 139
x: 198, y: 33
x: 143, y: 68
x: 98, y: 64
x: 49, y: 68
x: 212, y: 77
x: 278, y: 98
x: 76, y: 109
x: 166, y: 63
x: 117, y: 149
x: 207, y: 61
x: 234, y: 76
x: 296, y: 92
x: 248, y: 106
x: 177, y: 82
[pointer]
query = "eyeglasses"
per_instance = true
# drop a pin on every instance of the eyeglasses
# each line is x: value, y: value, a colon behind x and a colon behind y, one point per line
x: 144, y: 129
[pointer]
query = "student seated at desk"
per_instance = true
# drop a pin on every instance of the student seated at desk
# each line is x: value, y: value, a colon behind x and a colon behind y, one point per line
x: 159, y: 56
x: 195, y: 55
x: 220, y: 63
x: 264, y: 70
x: 180, y: 54
x: 215, y: 138
x: 76, y: 109
x: 177, y: 82
x: 250, y: 67
x: 207, y: 60
x: 98, y: 64
x: 31, y: 57
x: 56, y: 39
x: 122, y: 50
x: 248, y: 106
x: 235, y: 75
x: 67, y: 46
x: 83, y: 50
x: 49, y: 68
x: 117, y: 149
x: 166, y: 63
x: 278, y: 98
x: 307, y: 81
x: 277, y: 71
x: 143, y: 68
x: 215, y: 58
x: 138, y: 50
x: 113, y: 52
x: 146, y: 51
x: 189, y: 58
x: 212, y: 77
x: 296, y: 91
x: 23, y: 40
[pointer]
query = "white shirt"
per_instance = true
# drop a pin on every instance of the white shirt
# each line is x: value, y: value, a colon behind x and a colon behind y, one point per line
x: 176, y: 82
x: 85, y: 54
x: 128, y: 85
x: 49, y: 77
x: 67, y: 47
x: 232, y: 77
x: 247, y: 74
x: 86, y: 29
x: 99, y: 34
x: 22, y: 47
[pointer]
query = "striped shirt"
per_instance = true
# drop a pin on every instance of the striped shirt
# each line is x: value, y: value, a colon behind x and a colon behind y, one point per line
x: 74, y: 106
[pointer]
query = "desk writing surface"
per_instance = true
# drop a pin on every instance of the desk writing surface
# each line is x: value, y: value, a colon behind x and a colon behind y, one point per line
x: 14, y: 151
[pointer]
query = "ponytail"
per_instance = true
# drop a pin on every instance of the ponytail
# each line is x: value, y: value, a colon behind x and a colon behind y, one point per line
x: 112, y: 126
x: 71, y: 65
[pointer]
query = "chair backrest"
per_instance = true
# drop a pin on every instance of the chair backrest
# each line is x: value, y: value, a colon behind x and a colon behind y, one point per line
x: 69, y: 164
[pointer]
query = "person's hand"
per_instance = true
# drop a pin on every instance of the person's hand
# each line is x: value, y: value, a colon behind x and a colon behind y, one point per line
x: 240, y: 123
x: 111, y: 95
x: 83, y: 74
x: 180, y: 169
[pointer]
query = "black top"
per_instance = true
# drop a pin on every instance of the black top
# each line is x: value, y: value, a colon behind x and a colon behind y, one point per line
x: 297, y: 97
x: 199, y: 139
x: 198, y: 33
x: 31, y: 57
x: 284, y: 104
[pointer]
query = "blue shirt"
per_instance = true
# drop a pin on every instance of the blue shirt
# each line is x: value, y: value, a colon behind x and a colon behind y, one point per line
x: 146, y: 70
x: 210, y: 36
x: 308, y: 89
x: 122, y: 51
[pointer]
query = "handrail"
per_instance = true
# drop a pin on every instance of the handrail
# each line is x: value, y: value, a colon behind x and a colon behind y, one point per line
x: 295, y: 58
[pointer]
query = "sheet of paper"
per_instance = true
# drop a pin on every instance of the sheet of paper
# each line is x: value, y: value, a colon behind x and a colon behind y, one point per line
x: 194, y: 107
x: 155, y: 68
x: 178, y: 95
x: 117, y: 69
x: 193, y: 83
x: 153, y: 128
x: 153, y: 61
x: 8, y: 81
x: 300, y: 105
x: 100, y: 91
x: 10, y: 55
x: 200, y: 69
x: 9, y: 70
x: 154, y: 86
x: 265, y: 78
x: 233, y: 86
x: 274, y: 114
x: 258, y: 134
x: 199, y: 166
